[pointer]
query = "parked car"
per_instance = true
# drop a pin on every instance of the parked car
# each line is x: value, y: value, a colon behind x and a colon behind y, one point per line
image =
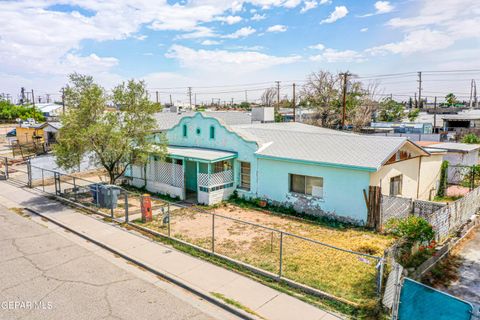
x: 12, y: 133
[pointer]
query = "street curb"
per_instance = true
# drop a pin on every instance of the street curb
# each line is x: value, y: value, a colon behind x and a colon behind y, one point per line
x: 227, y: 307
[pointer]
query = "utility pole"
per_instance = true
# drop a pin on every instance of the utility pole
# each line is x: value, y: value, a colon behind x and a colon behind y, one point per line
x: 434, y: 113
x: 246, y: 96
x: 63, y: 100
x: 473, y: 94
x: 416, y: 104
x: 156, y: 96
x: 33, y: 99
x: 278, y: 95
x: 294, y: 104
x: 171, y: 103
x: 190, y: 96
x: 48, y: 97
x: 420, y: 104
x: 344, y: 99
x: 195, y: 101
x: 22, y: 95
x: 231, y: 103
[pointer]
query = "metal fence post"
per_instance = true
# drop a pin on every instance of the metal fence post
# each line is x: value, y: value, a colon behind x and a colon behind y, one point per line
x: 74, y: 189
x: 43, y: 181
x: 213, y: 232
x: 380, y: 276
x: 111, y: 202
x: 29, y: 173
x: 126, y: 206
x: 281, y: 255
x: 6, y: 168
x: 169, y: 217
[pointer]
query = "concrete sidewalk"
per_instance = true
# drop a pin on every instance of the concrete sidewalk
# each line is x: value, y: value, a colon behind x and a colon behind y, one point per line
x: 197, y: 274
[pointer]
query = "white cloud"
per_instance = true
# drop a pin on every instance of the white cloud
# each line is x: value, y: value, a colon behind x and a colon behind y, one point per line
x: 436, y: 26
x: 230, y: 19
x: 416, y: 41
x: 241, y: 33
x: 334, y: 56
x: 258, y: 17
x: 317, y: 46
x: 364, y: 30
x: 210, y: 43
x: 291, y: 3
x: 309, y: 5
x: 277, y: 28
x: 339, y: 13
x: 140, y: 37
x: 148, y: 54
x: 383, y: 7
x: 215, y: 60
x: 198, y: 32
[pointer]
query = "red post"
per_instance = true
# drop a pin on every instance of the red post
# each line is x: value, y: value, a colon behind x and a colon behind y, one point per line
x: 146, y: 206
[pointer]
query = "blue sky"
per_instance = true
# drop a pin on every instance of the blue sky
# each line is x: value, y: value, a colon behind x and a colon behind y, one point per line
x: 203, y: 43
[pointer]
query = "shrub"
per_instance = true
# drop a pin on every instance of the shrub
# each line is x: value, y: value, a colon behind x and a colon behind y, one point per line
x: 471, y: 138
x: 412, y: 229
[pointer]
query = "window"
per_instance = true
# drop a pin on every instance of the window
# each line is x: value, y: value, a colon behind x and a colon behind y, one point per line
x: 212, y: 132
x: 198, y: 131
x: 396, y: 185
x: 306, y: 185
x: 184, y: 128
x: 245, y: 175
x: 222, y: 166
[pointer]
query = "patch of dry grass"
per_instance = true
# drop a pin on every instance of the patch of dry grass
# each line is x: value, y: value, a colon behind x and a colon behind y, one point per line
x: 345, y: 275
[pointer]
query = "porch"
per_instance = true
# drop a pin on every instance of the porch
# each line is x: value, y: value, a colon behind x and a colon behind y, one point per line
x: 192, y: 174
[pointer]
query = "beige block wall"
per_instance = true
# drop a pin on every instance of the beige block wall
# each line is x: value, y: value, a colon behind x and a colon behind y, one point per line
x: 429, y: 175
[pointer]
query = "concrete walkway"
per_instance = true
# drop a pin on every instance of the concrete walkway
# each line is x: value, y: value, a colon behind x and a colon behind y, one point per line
x: 468, y: 285
x: 197, y: 274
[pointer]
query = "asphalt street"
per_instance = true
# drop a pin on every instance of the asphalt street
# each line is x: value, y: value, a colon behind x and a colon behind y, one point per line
x: 47, y: 273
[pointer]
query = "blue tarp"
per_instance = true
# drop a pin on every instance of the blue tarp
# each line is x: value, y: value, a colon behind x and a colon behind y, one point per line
x: 418, y: 301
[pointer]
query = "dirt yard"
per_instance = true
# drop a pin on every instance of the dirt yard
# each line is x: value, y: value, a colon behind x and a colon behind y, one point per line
x: 340, y: 273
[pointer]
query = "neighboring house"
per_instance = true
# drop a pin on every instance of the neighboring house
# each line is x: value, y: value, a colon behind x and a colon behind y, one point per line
x: 462, y: 121
x: 458, y: 155
x: 315, y: 170
x: 50, y: 131
x: 404, y: 127
x: 49, y: 109
x: 29, y: 133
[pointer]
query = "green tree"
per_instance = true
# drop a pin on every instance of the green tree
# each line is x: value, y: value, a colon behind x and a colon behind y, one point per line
x: 390, y: 110
x: 112, y: 139
x: 11, y: 112
x: 451, y: 99
x: 413, y: 114
x: 442, y: 184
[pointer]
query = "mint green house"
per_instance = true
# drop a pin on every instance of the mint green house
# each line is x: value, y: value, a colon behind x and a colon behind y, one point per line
x: 316, y: 170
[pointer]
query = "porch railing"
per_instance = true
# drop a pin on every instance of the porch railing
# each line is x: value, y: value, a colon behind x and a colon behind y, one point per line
x: 215, y: 179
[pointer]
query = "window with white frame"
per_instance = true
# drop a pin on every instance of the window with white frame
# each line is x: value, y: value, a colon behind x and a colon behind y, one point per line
x: 245, y: 175
x: 396, y: 185
x: 307, y: 185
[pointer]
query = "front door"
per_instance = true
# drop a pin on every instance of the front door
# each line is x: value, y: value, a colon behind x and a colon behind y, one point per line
x: 191, y: 178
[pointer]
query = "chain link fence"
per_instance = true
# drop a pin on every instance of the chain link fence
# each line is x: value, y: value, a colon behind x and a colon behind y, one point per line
x: 305, y: 263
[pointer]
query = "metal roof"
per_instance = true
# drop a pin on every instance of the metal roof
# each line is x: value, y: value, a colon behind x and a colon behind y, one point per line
x: 166, y: 120
x: 201, y: 154
x: 454, y: 146
x: 320, y: 145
